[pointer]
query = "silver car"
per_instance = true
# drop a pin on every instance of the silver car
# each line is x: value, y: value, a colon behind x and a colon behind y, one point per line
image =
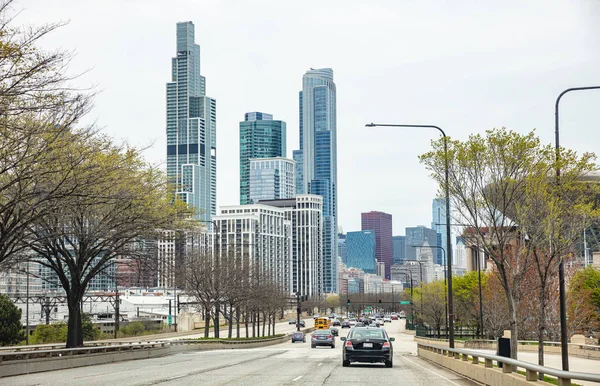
x: 322, y: 338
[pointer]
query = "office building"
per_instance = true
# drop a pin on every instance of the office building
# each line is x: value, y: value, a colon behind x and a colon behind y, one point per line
x: 191, y: 128
x: 361, y: 251
x: 318, y: 157
x: 416, y: 237
x: 342, y: 247
x: 260, y: 137
x: 438, y: 223
x: 272, y: 179
x: 398, y: 249
x: 305, y: 213
x: 381, y: 224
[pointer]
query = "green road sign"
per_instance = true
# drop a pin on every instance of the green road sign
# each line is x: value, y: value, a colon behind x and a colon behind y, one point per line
x: 368, y: 307
x: 404, y: 302
x: 170, y: 320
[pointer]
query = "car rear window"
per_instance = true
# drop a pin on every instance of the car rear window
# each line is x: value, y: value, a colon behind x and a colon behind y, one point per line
x: 322, y: 332
x: 367, y: 334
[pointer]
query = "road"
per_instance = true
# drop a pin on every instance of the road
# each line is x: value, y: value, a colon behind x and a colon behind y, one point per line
x: 282, y: 364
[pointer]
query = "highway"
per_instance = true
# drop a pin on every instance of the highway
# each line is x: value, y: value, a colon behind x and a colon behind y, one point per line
x: 282, y: 364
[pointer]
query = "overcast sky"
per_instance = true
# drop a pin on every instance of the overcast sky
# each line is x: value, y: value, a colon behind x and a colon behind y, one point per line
x: 466, y: 66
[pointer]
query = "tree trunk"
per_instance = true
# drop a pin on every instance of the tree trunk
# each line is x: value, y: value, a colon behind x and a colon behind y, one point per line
x: 216, y: 320
x: 264, y: 322
x: 206, y: 322
x: 74, y: 330
x: 237, y: 318
x: 230, y: 332
x: 541, y: 328
x: 512, y: 309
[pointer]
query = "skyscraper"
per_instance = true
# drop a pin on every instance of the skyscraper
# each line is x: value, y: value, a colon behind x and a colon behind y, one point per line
x: 260, y: 137
x: 398, y: 249
x: 191, y: 128
x: 438, y: 223
x: 318, y: 157
x: 418, y: 237
x: 360, y: 250
x: 272, y: 179
x: 381, y: 224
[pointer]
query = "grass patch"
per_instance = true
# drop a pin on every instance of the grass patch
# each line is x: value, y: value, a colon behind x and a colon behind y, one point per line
x: 549, y: 379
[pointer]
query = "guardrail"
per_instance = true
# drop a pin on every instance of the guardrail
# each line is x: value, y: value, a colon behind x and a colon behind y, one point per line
x: 509, y: 365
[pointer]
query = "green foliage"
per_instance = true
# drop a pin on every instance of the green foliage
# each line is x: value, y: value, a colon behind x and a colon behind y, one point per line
x: 587, y: 281
x: 50, y: 333
x: 89, y: 331
x: 133, y: 329
x: 10, y: 322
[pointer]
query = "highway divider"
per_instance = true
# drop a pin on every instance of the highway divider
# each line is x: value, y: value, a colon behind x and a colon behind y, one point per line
x: 35, y: 359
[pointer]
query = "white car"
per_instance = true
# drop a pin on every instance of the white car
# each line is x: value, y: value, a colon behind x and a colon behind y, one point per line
x: 387, y: 319
x: 379, y: 321
x: 352, y: 321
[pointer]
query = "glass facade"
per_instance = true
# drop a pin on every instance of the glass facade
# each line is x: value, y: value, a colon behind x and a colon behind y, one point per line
x: 191, y: 128
x: 317, y: 159
x: 260, y: 137
x: 272, y: 179
x: 398, y: 249
x: 418, y: 236
x: 360, y: 250
x: 438, y: 223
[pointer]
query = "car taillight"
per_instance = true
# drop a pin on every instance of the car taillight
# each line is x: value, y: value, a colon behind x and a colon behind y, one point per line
x: 314, y: 337
x: 349, y: 344
x: 386, y: 344
x: 329, y: 336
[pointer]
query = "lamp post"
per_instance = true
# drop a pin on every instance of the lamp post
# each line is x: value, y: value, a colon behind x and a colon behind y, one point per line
x: 448, y: 241
x: 411, y: 294
x: 561, y: 267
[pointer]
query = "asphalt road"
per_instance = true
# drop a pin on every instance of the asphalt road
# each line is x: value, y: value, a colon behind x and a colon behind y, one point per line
x: 284, y: 364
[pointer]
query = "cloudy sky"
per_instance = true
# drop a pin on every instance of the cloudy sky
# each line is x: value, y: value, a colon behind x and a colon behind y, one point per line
x: 466, y: 66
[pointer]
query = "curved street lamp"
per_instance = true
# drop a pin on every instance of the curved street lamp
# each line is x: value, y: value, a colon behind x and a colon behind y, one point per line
x: 564, y: 337
x: 448, y: 241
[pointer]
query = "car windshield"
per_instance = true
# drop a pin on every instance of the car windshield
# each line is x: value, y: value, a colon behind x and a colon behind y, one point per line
x: 322, y: 332
x: 360, y: 334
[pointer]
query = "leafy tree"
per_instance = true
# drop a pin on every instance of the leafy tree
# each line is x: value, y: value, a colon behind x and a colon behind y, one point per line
x: 466, y: 298
x: 89, y: 331
x: 487, y: 176
x: 36, y: 107
x: 120, y: 202
x: 584, y: 290
x: 49, y: 333
x: 434, y: 304
x: 333, y: 302
x: 11, y: 329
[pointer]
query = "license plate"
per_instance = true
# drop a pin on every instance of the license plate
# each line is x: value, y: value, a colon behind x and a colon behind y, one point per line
x: 368, y: 345
x: 321, y: 337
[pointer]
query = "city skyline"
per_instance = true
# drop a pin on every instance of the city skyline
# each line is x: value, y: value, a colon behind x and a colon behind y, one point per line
x: 440, y: 75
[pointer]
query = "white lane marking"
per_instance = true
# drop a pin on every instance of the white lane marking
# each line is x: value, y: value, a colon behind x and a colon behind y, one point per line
x: 319, y: 364
x: 295, y: 379
x: 431, y: 371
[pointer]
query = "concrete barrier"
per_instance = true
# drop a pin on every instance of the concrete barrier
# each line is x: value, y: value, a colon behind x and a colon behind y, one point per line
x: 577, y: 350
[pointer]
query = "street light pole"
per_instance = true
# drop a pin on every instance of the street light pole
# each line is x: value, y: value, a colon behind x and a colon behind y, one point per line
x: 448, y: 241
x: 564, y: 337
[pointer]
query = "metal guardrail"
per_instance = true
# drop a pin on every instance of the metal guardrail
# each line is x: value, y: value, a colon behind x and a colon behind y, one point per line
x: 531, y: 370
x: 60, y: 352
x: 55, y: 346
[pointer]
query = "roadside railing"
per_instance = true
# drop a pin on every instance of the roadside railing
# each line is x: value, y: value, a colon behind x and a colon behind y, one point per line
x: 69, y: 352
x: 510, y: 365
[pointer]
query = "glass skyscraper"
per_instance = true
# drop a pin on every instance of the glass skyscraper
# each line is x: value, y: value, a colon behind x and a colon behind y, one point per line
x: 272, y: 179
x: 317, y: 159
x: 360, y: 250
x: 419, y: 236
x: 438, y: 223
x: 191, y: 128
x: 260, y: 137
x: 398, y: 249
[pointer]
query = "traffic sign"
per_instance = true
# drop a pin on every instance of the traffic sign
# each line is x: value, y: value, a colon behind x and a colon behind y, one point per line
x: 404, y: 302
x: 170, y: 320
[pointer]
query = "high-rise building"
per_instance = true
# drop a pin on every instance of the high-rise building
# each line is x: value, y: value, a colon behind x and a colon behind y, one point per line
x: 272, y: 179
x: 318, y: 159
x: 381, y: 224
x: 342, y: 247
x: 305, y: 213
x: 416, y: 237
x: 260, y: 236
x: 438, y: 223
x: 360, y: 251
x: 191, y: 128
x: 398, y: 249
x: 260, y: 137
